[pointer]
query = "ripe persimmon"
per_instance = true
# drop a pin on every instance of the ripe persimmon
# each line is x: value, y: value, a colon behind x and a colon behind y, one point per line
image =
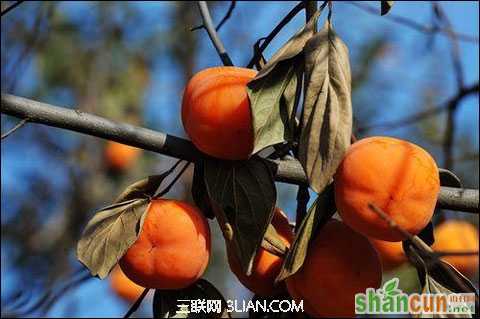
x: 458, y: 236
x: 120, y: 156
x: 216, y: 112
x: 266, y: 265
x: 339, y: 263
x: 123, y: 286
x: 172, y: 249
x: 391, y: 253
x: 397, y: 176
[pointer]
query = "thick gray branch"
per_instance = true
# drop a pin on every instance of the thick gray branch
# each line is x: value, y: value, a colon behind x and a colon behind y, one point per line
x: 288, y: 171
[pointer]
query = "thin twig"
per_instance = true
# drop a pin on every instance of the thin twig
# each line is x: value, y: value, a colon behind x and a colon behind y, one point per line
x: 137, y: 303
x: 425, y: 250
x: 412, y: 119
x: 16, y: 127
x: 455, y: 253
x: 169, y: 186
x: 299, y: 7
x: 411, y: 23
x: 287, y: 171
x: 454, y: 41
x: 450, y: 127
x: 10, y: 8
x: 227, y: 15
x: 208, y: 24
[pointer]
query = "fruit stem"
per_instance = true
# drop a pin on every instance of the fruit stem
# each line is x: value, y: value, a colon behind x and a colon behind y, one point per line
x: 137, y: 303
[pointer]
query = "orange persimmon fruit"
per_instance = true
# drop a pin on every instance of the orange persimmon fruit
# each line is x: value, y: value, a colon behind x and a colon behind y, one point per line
x: 339, y: 264
x: 391, y: 253
x: 458, y: 236
x: 120, y: 157
x: 216, y: 112
x: 397, y: 176
x: 172, y: 249
x: 266, y: 265
x: 123, y: 286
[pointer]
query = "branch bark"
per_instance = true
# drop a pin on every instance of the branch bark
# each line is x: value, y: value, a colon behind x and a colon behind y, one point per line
x: 288, y: 171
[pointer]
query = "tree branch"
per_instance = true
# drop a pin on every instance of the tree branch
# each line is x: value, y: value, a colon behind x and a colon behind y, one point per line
x: 459, y: 74
x: 412, y: 119
x: 11, y: 7
x: 227, y: 15
x: 413, y: 24
x: 266, y: 41
x: 16, y: 127
x: 288, y: 171
x: 208, y: 24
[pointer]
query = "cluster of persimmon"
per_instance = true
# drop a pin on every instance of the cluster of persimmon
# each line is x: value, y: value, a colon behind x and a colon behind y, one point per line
x: 344, y: 258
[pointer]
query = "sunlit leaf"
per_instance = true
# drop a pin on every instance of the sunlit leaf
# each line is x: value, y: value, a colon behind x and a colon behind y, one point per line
x: 109, y: 234
x: 274, y: 92
x: 327, y: 110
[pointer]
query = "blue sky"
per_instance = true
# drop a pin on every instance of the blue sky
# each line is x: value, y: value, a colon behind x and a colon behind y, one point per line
x: 408, y: 65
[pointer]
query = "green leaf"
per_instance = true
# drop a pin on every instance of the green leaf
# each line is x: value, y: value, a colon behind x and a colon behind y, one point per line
x: 109, y: 234
x: 272, y: 104
x: 274, y: 92
x: 243, y: 197
x: 386, y: 6
x: 166, y: 303
x: 318, y: 214
x: 199, y: 191
x: 327, y: 110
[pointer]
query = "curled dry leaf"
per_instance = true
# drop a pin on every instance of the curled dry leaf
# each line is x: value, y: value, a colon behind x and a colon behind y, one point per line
x: 437, y: 276
x: 113, y: 229
x: 327, y: 108
x: 274, y: 92
x: 318, y: 214
x: 109, y: 234
x: 273, y: 243
x: 243, y: 197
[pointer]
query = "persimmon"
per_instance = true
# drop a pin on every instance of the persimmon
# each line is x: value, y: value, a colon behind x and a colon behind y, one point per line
x: 391, y: 253
x: 216, y: 112
x: 266, y: 265
x: 120, y: 156
x: 172, y: 249
x: 339, y: 263
x: 458, y: 236
x: 397, y: 176
x: 123, y: 286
